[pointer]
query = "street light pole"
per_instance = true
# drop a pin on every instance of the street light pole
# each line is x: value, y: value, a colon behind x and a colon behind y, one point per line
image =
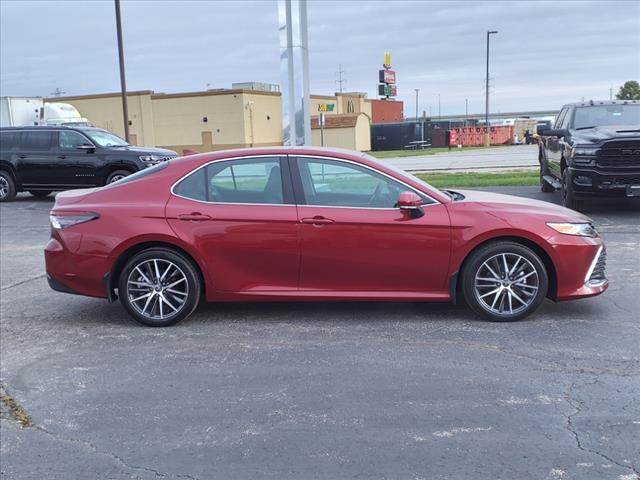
x: 466, y: 111
x: 486, y: 111
x: 123, y: 84
x: 417, y: 90
x: 438, y: 107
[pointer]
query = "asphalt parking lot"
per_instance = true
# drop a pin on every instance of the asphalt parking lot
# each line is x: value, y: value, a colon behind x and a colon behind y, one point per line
x: 319, y: 390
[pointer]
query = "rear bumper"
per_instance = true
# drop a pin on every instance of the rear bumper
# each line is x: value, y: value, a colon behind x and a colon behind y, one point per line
x: 593, y: 182
x: 75, y: 273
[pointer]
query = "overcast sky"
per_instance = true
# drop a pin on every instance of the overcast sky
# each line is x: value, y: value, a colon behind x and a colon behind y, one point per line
x: 546, y: 53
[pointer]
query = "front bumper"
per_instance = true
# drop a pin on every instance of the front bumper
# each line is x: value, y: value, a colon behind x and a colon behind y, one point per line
x: 595, y: 182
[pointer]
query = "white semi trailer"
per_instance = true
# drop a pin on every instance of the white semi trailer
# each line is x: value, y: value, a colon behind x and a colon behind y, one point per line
x: 24, y: 111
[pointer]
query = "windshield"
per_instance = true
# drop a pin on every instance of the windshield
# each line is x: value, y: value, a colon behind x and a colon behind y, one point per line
x: 603, y: 115
x: 105, y: 139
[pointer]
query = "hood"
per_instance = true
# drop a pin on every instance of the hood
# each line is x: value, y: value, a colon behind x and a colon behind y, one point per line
x: 610, y: 132
x: 147, y: 150
x: 511, y: 205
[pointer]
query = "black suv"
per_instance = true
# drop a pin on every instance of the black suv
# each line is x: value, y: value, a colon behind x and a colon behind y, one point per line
x: 42, y: 159
x: 592, y: 150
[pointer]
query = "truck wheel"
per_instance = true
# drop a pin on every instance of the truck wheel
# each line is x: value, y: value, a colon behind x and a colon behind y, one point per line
x: 7, y: 187
x: 40, y: 193
x: 568, y: 195
x: 117, y: 175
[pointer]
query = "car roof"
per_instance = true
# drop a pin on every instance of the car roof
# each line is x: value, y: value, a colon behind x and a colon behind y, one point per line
x: 49, y: 127
x: 592, y: 103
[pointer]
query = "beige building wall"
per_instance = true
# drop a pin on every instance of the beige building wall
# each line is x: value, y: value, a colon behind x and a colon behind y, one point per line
x: 262, y: 119
x: 363, y: 133
x: 356, y: 137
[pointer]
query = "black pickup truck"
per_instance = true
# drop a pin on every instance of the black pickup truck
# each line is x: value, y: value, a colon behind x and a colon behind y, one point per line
x: 593, y: 150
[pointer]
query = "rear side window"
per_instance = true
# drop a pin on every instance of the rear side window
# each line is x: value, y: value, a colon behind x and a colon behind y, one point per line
x: 37, y: 140
x: 7, y: 140
x: 248, y: 180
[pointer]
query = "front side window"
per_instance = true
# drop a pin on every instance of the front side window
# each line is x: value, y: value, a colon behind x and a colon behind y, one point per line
x: 37, y: 140
x: 560, y: 118
x: 334, y: 183
x: 70, y: 140
x: 105, y: 139
x: 252, y: 180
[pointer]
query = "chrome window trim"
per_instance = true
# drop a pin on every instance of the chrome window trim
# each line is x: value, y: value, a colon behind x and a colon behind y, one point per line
x: 287, y: 155
x: 435, y: 202
x: 593, y: 265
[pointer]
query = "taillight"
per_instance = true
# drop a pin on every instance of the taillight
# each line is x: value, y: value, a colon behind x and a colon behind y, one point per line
x: 63, y: 220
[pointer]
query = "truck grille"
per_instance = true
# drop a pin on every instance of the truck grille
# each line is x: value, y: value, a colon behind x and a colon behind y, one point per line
x: 620, y: 154
x: 597, y: 276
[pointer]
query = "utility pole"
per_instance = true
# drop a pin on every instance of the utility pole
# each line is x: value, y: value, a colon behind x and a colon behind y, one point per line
x: 466, y: 111
x: 340, y: 80
x: 438, y: 107
x: 417, y: 91
x: 611, y: 93
x: 123, y: 83
x: 486, y: 111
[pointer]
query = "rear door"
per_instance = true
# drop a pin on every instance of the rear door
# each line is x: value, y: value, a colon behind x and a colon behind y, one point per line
x: 355, y: 239
x: 240, y: 215
x: 35, y: 159
x: 77, y: 166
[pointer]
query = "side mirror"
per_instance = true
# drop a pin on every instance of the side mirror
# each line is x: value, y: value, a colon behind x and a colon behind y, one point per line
x: 554, y: 132
x: 411, y: 203
x: 86, y: 146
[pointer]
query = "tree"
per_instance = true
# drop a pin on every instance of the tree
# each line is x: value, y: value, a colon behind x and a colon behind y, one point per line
x: 629, y: 91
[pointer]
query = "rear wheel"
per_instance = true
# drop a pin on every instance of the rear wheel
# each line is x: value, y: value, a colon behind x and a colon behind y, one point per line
x: 504, y: 281
x: 117, y: 175
x: 159, y: 287
x: 7, y: 187
x: 40, y: 193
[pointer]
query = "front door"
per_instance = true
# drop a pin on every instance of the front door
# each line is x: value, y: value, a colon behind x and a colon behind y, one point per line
x: 240, y: 214
x: 77, y: 162
x: 355, y: 239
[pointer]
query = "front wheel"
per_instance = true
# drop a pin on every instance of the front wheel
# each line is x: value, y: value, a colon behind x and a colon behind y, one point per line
x: 117, y: 175
x: 504, y: 281
x: 568, y: 195
x: 159, y: 287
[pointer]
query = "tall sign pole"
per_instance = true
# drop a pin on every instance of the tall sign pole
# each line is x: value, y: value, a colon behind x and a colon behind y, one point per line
x: 294, y: 68
x: 123, y: 83
x: 487, y: 140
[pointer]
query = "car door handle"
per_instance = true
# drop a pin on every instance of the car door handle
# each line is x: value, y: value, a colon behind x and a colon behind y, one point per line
x: 62, y: 157
x: 193, y: 217
x: 317, y: 220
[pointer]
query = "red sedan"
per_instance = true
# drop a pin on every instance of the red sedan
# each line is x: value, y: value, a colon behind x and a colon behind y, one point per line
x: 313, y: 224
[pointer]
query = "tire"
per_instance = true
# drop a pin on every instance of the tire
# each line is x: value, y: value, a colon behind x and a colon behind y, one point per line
x: 489, y: 296
x: 568, y: 195
x: 147, y: 300
x: 7, y: 187
x: 117, y: 175
x: 40, y: 193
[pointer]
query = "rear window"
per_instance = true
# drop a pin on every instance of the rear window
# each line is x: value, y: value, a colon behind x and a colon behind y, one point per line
x: 140, y: 174
x: 7, y: 140
x: 37, y: 140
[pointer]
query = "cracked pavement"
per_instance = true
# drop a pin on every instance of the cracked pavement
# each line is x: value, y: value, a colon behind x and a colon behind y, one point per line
x: 319, y: 390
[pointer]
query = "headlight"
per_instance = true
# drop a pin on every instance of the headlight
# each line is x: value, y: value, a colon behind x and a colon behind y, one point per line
x: 152, y: 159
x: 582, y: 151
x: 580, y: 229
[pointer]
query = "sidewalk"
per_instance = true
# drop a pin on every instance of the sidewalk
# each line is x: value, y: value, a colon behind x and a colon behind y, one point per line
x: 490, y: 159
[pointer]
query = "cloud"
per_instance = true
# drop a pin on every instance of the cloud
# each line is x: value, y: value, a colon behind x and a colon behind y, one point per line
x: 546, y: 53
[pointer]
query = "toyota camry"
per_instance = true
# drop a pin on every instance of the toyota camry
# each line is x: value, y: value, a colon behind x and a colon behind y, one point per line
x: 305, y: 224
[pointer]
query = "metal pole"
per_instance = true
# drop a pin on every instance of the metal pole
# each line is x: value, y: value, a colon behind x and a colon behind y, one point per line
x: 123, y: 84
x: 466, y: 110
x: 486, y: 110
x: 417, y: 90
x: 438, y: 107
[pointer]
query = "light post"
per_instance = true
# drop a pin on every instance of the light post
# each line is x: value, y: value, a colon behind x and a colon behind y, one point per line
x: 417, y: 90
x: 486, y: 111
x: 123, y: 84
x: 466, y: 111
x: 438, y: 107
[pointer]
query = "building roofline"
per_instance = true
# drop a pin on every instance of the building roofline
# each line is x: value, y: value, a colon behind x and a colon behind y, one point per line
x: 160, y: 95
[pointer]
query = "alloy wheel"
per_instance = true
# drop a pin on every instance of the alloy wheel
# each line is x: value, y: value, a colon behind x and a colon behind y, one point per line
x: 115, y: 178
x: 4, y: 187
x: 157, y: 289
x: 506, y: 284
